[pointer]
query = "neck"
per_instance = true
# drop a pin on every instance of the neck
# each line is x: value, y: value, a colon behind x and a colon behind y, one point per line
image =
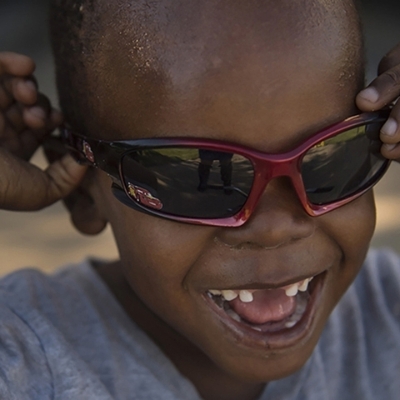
x: 211, y: 382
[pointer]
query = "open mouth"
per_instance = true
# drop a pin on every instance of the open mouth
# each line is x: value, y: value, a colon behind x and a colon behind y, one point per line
x: 270, y: 311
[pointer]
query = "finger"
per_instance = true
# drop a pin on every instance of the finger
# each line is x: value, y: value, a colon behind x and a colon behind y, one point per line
x: 385, y: 88
x: 7, y: 130
x: 23, y: 140
x: 391, y: 151
x: 390, y: 131
x: 28, y: 143
x: 23, y: 186
x: 64, y: 175
x: 17, y: 89
x: 25, y: 91
x: 3, y: 124
x: 24, y: 144
x: 6, y: 98
x: 19, y: 138
x: 390, y: 135
x: 57, y: 118
x: 54, y: 120
x: 390, y: 60
x: 381, y: 92
x: 35, y: 117
x: 16, y: 64
x: 29, y: 140
x: 38, y: 116
x: 14, y: 117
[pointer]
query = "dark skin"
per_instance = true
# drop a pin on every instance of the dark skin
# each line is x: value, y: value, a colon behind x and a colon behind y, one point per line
x: 220, y: 364
x: 26, y: 119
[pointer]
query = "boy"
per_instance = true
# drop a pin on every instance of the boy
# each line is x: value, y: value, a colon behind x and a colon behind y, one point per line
x: 203, y: 309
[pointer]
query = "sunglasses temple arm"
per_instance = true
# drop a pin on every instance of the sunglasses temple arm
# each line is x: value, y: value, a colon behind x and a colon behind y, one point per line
x: 77, y: 147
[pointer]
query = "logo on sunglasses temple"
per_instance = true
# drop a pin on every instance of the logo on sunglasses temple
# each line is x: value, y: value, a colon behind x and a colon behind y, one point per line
x: 143, y: 196
x: 87, y: 151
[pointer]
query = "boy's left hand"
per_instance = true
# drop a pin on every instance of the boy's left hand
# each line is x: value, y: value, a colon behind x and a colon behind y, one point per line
x: 384, y: 90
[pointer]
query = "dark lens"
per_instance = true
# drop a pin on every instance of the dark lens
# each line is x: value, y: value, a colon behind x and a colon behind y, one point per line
x: 344, y: 164
x: 188, y: 182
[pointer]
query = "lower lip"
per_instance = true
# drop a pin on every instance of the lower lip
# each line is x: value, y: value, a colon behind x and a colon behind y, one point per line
x: 278, y: 340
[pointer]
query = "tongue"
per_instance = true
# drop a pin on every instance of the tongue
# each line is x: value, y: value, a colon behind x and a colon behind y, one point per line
x: 267, y: 306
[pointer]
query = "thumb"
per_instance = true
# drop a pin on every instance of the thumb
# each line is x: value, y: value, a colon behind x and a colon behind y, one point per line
x: 25, y: 187
x: 64, y: 176
x: 385, y: 88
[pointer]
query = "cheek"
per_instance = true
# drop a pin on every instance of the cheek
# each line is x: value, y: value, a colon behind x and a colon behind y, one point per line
x: 347, y: 232
x: 158, y: 255
x: 351, y: 228
x: 151, y: 242
x: 354, y: 226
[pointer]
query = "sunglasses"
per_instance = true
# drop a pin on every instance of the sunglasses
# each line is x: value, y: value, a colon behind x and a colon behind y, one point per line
x: 216, y: 183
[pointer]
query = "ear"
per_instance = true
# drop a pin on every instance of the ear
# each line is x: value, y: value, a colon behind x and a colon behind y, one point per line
x: 85, y: 213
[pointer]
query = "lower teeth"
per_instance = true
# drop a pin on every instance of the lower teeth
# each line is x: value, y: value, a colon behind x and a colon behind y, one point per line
x: 233, y: 315
x: 290, y: 324
x: 301, y: 305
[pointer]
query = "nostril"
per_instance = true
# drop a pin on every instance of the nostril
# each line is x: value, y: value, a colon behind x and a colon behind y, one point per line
x: 277, y: 220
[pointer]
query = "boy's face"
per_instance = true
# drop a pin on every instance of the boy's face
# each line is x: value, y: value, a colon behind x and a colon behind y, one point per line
x: 248, y: 78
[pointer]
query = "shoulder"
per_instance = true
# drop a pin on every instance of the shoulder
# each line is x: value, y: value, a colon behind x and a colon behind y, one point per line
x: 370, y: 310
x: 373, y: 300
x: 30, y: 289
x: 378, y: 283
x: 88, y: 346
x: 24, y: 284
x: 360, y: 346
x: 31, y: 295
x: 66, y: 301
x: 46, y: 323
x: 24, y: 371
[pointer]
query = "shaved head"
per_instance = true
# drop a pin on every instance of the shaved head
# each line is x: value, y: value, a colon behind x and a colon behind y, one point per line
x: 168, y: 46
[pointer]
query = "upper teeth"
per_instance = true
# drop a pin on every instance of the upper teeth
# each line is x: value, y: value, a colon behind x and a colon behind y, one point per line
x: 231, y: 295
x: 292, y: 289
x: 246, y: 296
x: 303, y: 287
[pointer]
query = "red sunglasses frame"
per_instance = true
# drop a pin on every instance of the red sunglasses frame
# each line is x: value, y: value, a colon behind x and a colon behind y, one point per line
x: 107, y: 155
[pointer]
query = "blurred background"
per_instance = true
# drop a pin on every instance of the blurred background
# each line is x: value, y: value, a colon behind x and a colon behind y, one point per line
x: 47, y: 240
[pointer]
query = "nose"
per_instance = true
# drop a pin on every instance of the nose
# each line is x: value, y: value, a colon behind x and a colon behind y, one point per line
x: 278, y: 219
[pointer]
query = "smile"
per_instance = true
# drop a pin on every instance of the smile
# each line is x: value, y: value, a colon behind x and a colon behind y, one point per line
x: 277, y: 316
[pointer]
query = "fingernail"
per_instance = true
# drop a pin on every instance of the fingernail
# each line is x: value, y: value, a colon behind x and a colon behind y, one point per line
x: 389, y: 147
x: 38, y: 112
x: 390, y: 127
x: 370, y: 94
x: 30, y: 85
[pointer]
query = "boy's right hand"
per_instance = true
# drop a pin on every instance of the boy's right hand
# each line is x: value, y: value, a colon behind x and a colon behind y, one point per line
x: 26, y: 119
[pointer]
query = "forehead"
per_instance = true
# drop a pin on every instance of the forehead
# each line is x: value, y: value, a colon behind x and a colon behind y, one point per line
x: 226, y: 70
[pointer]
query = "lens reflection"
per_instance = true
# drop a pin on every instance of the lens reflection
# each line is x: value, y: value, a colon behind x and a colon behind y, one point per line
x: 188, y: 182
x: 343, y: 165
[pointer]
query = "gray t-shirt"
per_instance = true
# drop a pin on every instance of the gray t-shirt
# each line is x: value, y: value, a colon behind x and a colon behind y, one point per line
x: 64, y: 336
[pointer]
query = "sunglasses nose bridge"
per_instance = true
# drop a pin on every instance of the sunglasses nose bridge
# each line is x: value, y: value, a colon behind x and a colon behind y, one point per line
x: 268, y: 169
